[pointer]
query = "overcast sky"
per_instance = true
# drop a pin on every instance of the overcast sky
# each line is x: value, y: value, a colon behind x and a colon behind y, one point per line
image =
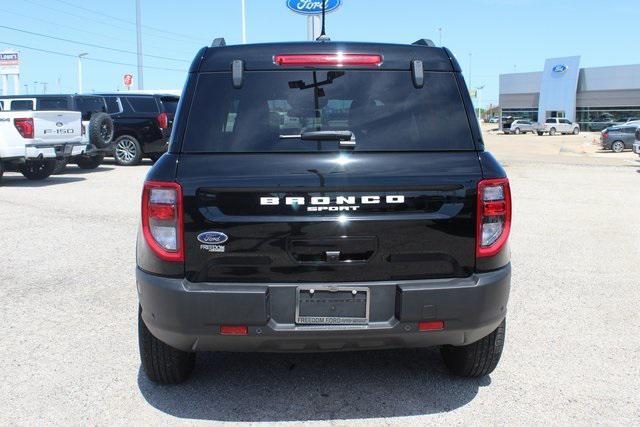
x: 501, y: 35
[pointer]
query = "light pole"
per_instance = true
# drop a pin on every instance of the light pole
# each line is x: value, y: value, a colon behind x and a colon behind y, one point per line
x: 479, y: 97
x: 469, y: 74
x: 80, y: 56
x: 139, y: 44
x: 26, y: 89
x: 440, y: 36
x: 244, y: 22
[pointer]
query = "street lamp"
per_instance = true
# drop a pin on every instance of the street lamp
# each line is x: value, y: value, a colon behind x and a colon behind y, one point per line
x: 80, y: 56
x: 479, y: 98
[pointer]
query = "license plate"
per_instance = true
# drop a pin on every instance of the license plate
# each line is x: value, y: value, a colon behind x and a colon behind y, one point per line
x: 332, y: 305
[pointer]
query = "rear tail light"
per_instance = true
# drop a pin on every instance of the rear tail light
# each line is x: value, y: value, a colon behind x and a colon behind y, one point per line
x: 162, y: 219
x: 83, y: 130
x: 328, y: 59
x: 24, y: 127
x: 163, y: 120
x: 494, y: 216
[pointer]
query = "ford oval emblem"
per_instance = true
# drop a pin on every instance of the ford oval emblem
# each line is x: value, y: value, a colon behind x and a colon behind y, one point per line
x: 312, y: 7
x: 212, y: 238
x: 59, y: 124
x: 559, y: 68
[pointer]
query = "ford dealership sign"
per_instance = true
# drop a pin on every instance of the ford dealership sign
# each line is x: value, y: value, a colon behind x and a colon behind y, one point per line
x: 559, y: 68
x: 312, y: 7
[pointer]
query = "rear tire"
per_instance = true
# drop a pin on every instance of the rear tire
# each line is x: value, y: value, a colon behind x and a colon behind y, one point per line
x: 90, y: 162
x: 37, y: 170
x: 477, y: 359
x: 127, y: 151
x: 162, y: 363
x: 576, y: 131
x: 517, y: 131
x: 617, y: 146
x: 540, y: 133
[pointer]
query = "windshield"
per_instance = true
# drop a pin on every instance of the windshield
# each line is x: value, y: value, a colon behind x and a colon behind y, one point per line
x: 383, y: 109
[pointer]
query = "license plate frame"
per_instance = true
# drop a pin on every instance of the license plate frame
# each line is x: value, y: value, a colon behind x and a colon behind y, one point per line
x: 327, y: 320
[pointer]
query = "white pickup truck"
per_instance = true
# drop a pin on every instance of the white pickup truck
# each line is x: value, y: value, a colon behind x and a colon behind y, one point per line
x: 31, y: 141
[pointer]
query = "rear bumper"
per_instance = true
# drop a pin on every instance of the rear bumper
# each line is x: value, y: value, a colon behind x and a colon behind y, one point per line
x: 188, y: 315
x: 54, y: 151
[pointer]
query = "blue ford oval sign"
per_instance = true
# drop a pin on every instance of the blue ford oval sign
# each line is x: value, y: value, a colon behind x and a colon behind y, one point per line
x: 212, y: 238
x: 312, y: 7
x: 559, y: 68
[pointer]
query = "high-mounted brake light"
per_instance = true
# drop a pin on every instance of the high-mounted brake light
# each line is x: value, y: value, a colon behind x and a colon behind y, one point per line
x: 24, y: 127
x: 162, y: 219
x: 494, y: 216
x: 328, y: 59
x: 163, y: 120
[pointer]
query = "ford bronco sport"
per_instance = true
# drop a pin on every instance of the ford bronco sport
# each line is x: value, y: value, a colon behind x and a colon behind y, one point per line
x: 324, y: 196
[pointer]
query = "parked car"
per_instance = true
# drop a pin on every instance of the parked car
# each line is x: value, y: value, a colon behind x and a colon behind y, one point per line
x: 32, y: 141
x: 601, y: 123
x: 627, y: 120
x: 520, y: 126
x: 618, y: 138
x: 97, y: 125
x: 553, y: 126
x: 494, y: 120
x: 505, y: 123
x: 387, y: 229
x: 142, y: 125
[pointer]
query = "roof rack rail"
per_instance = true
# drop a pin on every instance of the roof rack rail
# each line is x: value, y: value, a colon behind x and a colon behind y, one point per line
x: 218, y: 42
x: 424, y: 42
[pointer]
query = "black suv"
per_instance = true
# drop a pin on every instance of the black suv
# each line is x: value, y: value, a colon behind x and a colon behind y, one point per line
x: 142, y: 125
x: 97, y: 126
x: 324, y: 196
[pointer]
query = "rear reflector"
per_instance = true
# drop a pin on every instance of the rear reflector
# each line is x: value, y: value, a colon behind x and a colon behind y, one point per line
x: 328, y: 59
x: 234, y: 330
x: 433, y: 325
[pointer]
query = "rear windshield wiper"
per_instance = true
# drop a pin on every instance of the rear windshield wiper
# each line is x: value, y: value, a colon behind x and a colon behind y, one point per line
x: 346, y: 137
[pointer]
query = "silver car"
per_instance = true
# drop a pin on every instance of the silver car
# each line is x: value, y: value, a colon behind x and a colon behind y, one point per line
x: 520, y: 126
x: 618, y: 138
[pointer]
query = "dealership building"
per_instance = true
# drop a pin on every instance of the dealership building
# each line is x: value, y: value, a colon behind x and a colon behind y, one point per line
x: 591, y: 96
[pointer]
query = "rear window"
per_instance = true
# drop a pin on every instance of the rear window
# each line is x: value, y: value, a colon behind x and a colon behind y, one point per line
x: 22, y: 105
x: 53, y: 104
x: 143, y: 104
x: 382, y: 108
x: 170, y: 103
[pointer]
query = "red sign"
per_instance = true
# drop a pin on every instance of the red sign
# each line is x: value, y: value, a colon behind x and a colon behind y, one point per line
x: 127, y: 79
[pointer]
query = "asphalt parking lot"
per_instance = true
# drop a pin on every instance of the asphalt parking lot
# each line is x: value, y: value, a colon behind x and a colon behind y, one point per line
x: 572, y: 355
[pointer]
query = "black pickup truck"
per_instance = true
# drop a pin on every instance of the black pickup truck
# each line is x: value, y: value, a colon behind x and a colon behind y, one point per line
x: 324, y: 196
